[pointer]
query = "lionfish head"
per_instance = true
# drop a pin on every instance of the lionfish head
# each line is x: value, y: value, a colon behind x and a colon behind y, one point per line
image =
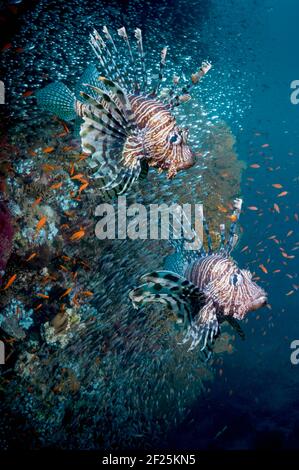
x: 246, y: 295
x: 235, y: 292
x: 181, y: 156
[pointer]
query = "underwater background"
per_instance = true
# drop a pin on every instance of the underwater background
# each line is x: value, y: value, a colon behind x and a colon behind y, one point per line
x: 99, y: 375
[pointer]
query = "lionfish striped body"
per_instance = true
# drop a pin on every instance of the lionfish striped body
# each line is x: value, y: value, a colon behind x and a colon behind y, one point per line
x: 126, y: 127
x: 204, y: 288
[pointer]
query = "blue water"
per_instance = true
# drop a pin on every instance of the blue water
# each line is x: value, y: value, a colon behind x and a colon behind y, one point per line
x: 255, y: 401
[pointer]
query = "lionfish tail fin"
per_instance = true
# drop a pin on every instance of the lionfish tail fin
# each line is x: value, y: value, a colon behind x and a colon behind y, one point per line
x: 166, y: 287
x: 58, y: 99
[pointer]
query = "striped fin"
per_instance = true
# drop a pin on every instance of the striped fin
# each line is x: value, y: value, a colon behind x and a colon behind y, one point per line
x: 106, y: 56
x: 161, y: 69
x: 180, y: 295
x: 120, y: 98
x: 108, y: 134
x: 138, y: 36
x: 204, y: 328
x: 183, y: 96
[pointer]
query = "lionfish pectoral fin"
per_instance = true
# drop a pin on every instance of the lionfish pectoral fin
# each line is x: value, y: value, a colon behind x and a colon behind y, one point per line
x: 204, y: 329
x: 236, y: 326
x: 178, y: 294
x: 58, y: 99
x: 108, y: 133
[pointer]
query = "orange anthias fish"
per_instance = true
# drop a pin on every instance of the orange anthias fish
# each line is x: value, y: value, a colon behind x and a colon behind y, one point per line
x: 78, y: 235
x: 10, y: 281
x: 40, y: 224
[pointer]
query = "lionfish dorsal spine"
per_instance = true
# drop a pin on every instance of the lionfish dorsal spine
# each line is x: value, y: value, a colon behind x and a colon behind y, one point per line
x: 106, y: 57
x: 123, y: 34
x: 184, y: 94
x: 161, y: 71
x: 222, y: 237
x: 208, y: 235
x: 235, y: 217
x: 138, y: 36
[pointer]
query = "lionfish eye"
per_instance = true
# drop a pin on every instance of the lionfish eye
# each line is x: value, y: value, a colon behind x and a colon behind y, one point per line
x: 175, y: 139
x: 236, y: 279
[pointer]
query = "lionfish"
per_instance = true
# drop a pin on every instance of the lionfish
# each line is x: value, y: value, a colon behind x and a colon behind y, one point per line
x: 203, y: 288
x: 127, y: 126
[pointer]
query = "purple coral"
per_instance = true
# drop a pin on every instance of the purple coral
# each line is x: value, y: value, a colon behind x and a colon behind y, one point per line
x: 6, y: 235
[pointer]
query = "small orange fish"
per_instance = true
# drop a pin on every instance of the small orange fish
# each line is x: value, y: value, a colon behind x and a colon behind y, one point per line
x: 277, y: 185
x: 56, y: 185
x: 66, y: 292
x: 78, y: 177
x: 265, y: 146
x: 10, y: 281
x: 88, y: 293
x: 48, y: 149
x: 42, y: 296
x: 222, y: 209
x: 33, y: 255
x: 72, y: 169
x: 46, y: 167
x: 78, y: 235
x: 32, y: 153
x: 41, y: 223
x: 263, y: 268
x: 290, y: 232
x: 27, y: 93
x: 38, y: 307
x: 284, y: 193
x: 37, y: 201
x: 252, y: 208
x: 276, y: 208
x: 84, y: 186
x: 255, y: 165
x: 68, y: 148
x: 63, y: 268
